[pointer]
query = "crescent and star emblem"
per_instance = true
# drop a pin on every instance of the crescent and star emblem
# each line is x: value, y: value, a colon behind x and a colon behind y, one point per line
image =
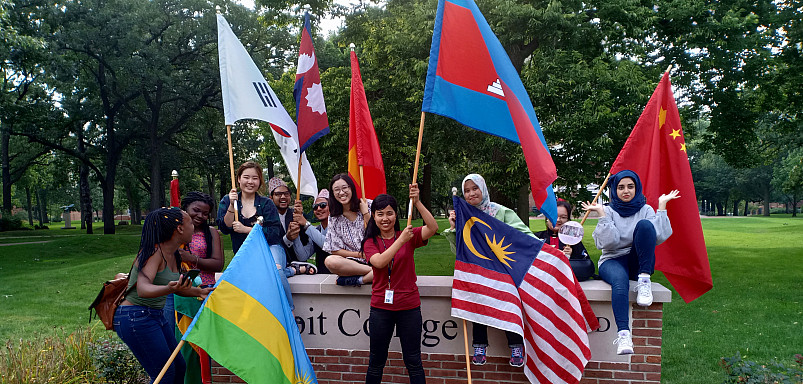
x: 498, y: 248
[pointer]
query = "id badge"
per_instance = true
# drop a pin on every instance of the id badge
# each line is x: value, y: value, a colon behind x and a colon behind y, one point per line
x: 388, y: 296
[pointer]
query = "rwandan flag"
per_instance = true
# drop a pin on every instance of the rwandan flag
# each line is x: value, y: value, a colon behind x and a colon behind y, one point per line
x: 471, y: 79
x: 246, y: 324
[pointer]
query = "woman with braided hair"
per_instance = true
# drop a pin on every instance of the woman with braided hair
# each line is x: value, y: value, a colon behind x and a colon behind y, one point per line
x: 139, y: 320
x: 205, y: 249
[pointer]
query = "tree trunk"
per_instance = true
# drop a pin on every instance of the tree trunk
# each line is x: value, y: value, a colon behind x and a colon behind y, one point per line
x: 30, y: 208
x: 157, y: 184
x: 719, y: 210
x: 745, y: 207
x: 269, y: 167
x: 46, y: 212
x: 39, y: 207
x: 735, y: 207
x: 794, y: 205
x: 86, y: 199
x: 5, y: 137
x: 108, y: 193
x: 523, y: 204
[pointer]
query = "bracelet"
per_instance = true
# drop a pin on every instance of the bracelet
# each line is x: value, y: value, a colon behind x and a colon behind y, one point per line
x: 197, y: 259
x: 230, y: 211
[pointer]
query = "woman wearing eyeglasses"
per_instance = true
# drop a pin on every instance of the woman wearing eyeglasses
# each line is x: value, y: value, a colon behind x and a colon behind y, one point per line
x: 345, y: 233
x: 316, y: 233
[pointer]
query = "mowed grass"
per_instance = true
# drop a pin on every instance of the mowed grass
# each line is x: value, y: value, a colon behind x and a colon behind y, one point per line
x: 754, y: 308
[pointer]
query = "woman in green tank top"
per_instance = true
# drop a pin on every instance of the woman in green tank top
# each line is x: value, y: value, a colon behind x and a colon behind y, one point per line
x: 139, y: 320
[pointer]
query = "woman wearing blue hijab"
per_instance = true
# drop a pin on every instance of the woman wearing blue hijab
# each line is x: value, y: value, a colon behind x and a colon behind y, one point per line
x: 627, y: 232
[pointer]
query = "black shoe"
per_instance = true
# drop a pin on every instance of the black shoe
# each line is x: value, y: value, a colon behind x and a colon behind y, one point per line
x: 349, y: 281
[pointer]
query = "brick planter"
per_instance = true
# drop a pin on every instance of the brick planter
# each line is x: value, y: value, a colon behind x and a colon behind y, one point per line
x: 444, y: 361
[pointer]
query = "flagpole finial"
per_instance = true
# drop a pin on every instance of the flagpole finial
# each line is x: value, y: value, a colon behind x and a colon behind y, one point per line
x: 352, y: 46
x: 669, y: 68
x: 217, y: 9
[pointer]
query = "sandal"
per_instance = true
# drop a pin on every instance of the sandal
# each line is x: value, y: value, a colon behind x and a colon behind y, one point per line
x: 309, y: 269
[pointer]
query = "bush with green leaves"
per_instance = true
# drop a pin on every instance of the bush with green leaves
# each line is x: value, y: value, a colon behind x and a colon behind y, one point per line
x: 10, y: 223
x: 115, y: 363
x: 740, y: 370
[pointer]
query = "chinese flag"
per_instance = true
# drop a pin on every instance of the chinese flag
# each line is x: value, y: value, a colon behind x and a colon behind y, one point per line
x: 656, y: 151
x: 363, y: 145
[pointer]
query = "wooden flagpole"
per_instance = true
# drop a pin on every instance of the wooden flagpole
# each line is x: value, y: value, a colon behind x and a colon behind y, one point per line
x: 465, y: 341
x: 298, y: 178
x: 231, y: 167
x: 415, y: 168
x: 601, y: 188
x: 605, y: 183
x: 170, y: 360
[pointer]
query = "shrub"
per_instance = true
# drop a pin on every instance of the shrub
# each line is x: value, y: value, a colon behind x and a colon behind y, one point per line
x: 10, y: 223
x: 115, y: 363
x: 61, y: 358
x: 740, y: 370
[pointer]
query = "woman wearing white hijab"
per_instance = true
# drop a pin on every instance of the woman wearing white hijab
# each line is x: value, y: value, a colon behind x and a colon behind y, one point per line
x: 475, y: 192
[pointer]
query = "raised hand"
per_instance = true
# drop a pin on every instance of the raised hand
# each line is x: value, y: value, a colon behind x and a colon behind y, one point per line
x: 675, y: 194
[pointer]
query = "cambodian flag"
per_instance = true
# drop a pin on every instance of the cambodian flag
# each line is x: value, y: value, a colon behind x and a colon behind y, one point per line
x: 471, y: 79
x: 311, y: 115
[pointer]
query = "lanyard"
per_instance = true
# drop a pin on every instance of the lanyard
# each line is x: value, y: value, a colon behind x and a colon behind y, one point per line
x: 390, y: 266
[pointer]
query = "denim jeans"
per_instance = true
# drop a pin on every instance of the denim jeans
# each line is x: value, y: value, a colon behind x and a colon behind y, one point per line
x: 277, y: 251
x: 619, y: 271
x: 170, y: 311
x: 150, y: 338
x: 407, y: 324
x: 480, y: 336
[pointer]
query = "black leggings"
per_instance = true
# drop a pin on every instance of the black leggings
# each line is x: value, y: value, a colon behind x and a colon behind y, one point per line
x: 407, y: 324
x: 480, y: 333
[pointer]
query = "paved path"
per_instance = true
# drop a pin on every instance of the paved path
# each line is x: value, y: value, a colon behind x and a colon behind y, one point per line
x: 30, y: 242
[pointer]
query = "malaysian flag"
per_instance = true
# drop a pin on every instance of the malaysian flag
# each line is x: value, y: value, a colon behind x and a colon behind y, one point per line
x: 510, y: 281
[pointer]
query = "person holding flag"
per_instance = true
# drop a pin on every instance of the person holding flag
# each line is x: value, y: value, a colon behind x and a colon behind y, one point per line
x: 475, y: 191
x: 395, y: 303
x: 627, y: 233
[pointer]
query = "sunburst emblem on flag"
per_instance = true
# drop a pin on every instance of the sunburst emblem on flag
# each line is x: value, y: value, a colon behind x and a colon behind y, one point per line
x: 303, y: 378
x: 315, y: 98
x: 305, y: 62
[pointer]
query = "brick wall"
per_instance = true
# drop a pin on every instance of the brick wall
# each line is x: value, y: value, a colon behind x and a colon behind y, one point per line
x: 349, y: 366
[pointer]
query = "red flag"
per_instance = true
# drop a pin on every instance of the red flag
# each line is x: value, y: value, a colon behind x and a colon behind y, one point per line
x: 656, y: 151
x: 175, y: 198
x: 363, y: 145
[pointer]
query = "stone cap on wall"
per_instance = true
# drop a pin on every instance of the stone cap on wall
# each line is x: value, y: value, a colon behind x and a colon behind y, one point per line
x: 441, y: 286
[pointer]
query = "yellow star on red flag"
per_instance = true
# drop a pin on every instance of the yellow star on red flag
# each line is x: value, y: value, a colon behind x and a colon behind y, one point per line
x: 675, y: 133
x: 683, y: 147
x: 661, y: 118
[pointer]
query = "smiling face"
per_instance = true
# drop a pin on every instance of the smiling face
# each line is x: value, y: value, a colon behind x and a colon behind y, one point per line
x: 563, y: 217
x: 199, y: 212
x: 472, y: 193
x: 321, y: 208
x: 249, y: 181
x: 626, y: 190
x: 281, y: 198
x: 385, y: 219
x: 342, y: 192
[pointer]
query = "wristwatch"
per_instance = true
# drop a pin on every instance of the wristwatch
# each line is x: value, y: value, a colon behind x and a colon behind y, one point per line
x: 306, y: 225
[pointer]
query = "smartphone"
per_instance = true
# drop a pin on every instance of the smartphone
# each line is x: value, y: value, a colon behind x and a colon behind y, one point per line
x: 191, y: 274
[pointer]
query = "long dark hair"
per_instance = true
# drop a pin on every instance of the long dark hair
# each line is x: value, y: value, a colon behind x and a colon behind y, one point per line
x: 354, y: 204
x: 372, y: 231
x: 158, y: 228
x: 206, y: 199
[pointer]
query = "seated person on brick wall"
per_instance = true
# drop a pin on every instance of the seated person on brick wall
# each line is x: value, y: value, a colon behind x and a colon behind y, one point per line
x: 627, y: 232
x: 248, y: 205
x: 290, y: 230
x: 395, y: 302
x: 550, y: 236
x: 347, y: 219
x: 316, y: 233
x: 476, y: 193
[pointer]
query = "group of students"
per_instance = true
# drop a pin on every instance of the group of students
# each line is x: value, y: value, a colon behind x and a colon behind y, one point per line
x: 362, y: 242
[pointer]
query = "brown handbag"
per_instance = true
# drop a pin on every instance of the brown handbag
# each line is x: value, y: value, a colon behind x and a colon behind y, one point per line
x: 111, y: 295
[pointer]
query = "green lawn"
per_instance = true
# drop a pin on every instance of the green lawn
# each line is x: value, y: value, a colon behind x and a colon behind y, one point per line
x: 754, y: 307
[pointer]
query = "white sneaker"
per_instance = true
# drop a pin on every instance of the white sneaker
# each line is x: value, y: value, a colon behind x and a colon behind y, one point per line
x: 625, y: 343
x: 644, y: 297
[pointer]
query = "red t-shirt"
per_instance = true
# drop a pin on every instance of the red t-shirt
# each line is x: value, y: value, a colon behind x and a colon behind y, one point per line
x: 402, y: 273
